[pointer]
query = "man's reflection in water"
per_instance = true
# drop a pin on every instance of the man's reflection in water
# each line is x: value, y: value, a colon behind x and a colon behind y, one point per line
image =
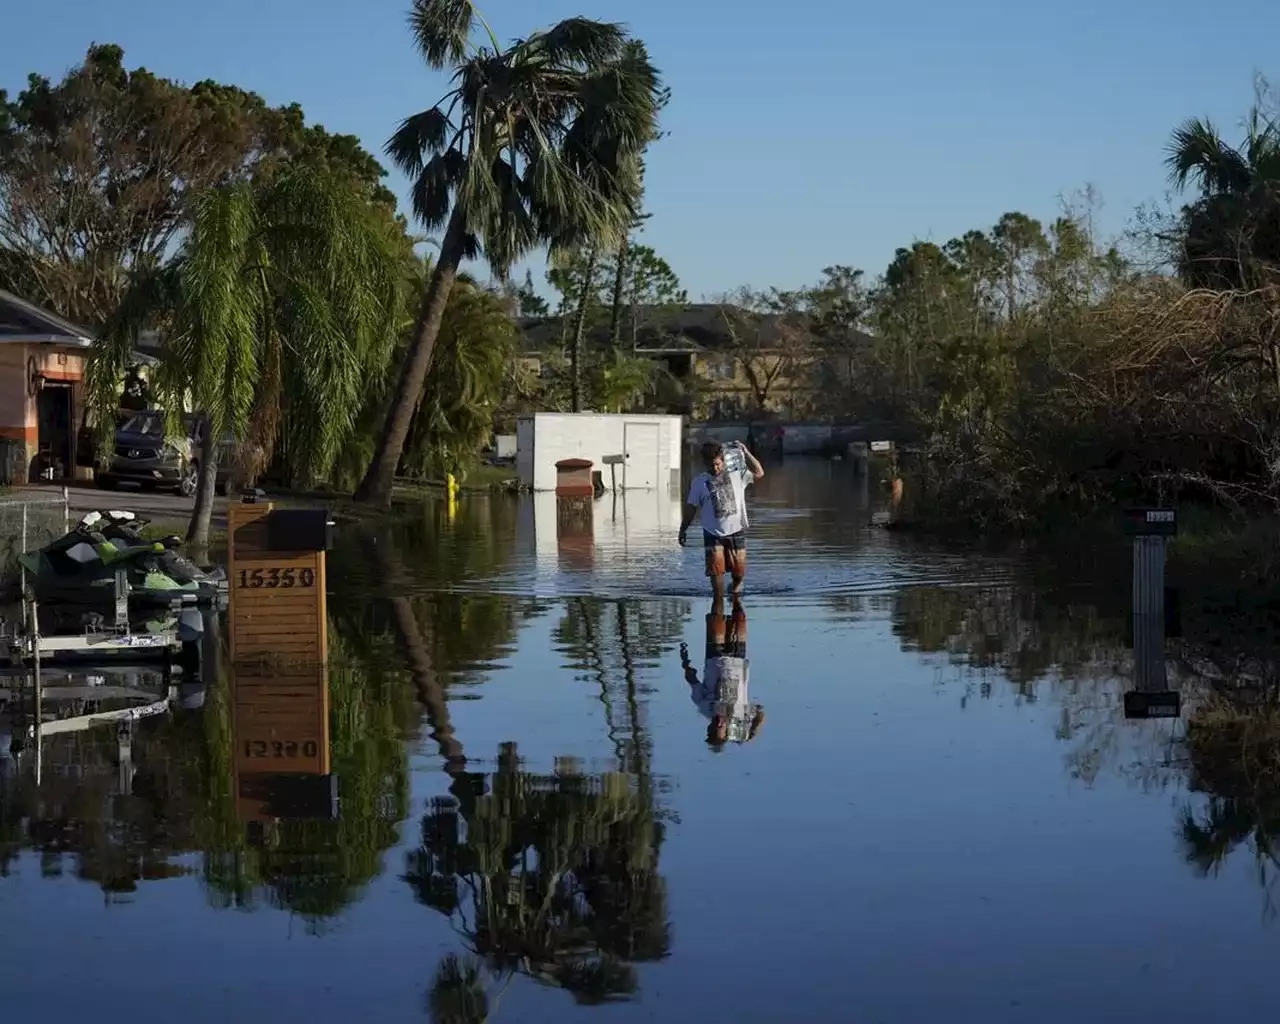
x: 721, y: 693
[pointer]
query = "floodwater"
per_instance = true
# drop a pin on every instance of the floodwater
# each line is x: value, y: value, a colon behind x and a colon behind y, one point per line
x: 927, y: 805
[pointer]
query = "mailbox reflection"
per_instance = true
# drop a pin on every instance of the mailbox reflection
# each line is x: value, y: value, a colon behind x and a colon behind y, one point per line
x: 281, y: 743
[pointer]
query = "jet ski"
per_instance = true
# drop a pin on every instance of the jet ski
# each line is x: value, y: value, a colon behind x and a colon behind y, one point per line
x: 80, y: 567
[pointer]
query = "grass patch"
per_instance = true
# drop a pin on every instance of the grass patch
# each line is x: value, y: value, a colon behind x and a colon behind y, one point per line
x: 158, y: 529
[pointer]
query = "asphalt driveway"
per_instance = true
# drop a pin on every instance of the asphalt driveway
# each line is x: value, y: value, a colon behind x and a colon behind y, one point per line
x: 154, y: 505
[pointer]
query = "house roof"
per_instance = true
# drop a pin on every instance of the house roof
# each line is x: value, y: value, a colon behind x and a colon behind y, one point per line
x: 665, y: 330
x: 22, y: 321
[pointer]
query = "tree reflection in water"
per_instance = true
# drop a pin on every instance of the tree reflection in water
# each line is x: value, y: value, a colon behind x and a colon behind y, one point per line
x: 316, y: 868
x: 1233, y: 743
x: 182, y: 798
x: 553, y: 876
x: 1048, y: 645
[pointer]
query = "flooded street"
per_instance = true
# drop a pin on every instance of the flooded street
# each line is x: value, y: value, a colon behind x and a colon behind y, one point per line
x: 926, y: 807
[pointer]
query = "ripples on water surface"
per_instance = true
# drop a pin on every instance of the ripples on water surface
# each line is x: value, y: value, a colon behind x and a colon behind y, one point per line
x: 941, y: 815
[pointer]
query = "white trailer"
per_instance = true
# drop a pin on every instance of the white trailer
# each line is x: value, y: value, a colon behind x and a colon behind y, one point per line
x: 650, y: 446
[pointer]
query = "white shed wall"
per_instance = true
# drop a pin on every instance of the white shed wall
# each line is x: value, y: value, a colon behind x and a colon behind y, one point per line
x: 546, y: 438
x: 675, y: 446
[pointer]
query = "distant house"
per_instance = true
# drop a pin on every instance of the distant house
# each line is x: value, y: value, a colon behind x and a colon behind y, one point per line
x: 42, y: 367
x: 725, y: 362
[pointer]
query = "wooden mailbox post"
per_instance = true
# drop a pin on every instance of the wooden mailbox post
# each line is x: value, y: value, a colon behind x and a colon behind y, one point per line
x: 277, y: 583
x: 279, y: 662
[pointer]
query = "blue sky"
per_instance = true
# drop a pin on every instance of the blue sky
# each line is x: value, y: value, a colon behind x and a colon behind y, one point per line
x: 802, y: 134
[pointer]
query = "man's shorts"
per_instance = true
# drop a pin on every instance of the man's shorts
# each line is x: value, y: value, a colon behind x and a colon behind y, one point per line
x: 726, y: 554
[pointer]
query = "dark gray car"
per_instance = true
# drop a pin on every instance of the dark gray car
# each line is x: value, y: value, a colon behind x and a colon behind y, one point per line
x: 143, y: 456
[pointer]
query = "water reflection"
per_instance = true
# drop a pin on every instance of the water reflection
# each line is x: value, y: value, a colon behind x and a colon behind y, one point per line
x: 608, y: 644
x: 603, y: 852
x: 1233, y: 755
x: 720, y: 694
x: 309, y: 780
x: 552, y: 876
x: 224, y: 777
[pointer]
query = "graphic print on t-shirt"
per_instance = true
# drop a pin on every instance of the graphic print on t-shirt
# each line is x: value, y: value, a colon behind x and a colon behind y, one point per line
x: 724, y: 496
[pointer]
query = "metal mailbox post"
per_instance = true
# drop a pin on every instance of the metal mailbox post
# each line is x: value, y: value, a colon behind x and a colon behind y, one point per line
x: 1151, y: 697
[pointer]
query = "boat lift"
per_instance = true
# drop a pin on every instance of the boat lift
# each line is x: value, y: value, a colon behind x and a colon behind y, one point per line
x: 99, y: 639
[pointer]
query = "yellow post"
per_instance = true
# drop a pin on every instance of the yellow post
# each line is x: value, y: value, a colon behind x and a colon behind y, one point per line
x: 452, y: 488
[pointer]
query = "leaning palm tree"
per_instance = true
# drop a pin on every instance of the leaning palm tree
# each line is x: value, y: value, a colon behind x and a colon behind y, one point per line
x: 277, y: 311
x: 1230, y: 235
x: 538, y: 143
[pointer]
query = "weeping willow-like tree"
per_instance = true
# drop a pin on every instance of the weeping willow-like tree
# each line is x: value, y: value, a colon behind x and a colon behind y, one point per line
x: 537, y: 143
x: 278, y: 311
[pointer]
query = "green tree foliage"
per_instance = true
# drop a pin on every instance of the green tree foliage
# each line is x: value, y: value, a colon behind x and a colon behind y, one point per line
x: 474, y: 362
x: 613, y: 379
x: 284, y: 295
x: 650, y: 289
x: 537, y: 143
x: 1229, y: 236
x: 97, y: 172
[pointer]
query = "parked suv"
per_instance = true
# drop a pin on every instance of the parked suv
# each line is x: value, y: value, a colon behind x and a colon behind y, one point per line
x: 143, y: 456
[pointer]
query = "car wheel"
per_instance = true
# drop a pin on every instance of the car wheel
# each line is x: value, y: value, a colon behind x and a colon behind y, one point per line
x: 190, y: 479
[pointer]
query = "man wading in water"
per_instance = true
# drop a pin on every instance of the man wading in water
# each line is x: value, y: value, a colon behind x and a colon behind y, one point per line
x: 720, y: 496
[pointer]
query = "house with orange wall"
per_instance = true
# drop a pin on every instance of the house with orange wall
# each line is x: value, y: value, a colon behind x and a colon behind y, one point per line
x: 42, y: 368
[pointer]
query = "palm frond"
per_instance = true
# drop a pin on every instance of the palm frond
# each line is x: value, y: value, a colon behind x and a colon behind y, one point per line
x: 435, y: 186
x: 575, y: 42
x: 424, y: 132
x: 547, y: 144
x: 1196, y: 150
x: 442, y: 30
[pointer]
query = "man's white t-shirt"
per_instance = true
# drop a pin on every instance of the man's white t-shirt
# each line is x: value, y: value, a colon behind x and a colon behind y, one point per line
x: 722, y: 501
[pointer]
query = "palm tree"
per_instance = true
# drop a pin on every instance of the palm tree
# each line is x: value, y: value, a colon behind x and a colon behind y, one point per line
x: 1230, y: 235
x: 536, y: 144
x: 283, y: 298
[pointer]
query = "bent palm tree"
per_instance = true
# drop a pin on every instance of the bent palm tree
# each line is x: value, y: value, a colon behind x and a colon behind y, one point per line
x: 536, y: 144
x: 283, y: 297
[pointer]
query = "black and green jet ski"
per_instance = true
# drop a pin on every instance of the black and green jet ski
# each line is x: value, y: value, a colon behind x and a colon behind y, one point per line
x: 80, y: 567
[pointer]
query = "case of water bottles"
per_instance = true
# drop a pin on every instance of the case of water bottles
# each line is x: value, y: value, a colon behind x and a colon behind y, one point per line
x: 734, y: 460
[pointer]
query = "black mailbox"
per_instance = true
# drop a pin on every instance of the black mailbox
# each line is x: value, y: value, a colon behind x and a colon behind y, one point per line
x: 299, y: 529
x: 1150, y: 522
